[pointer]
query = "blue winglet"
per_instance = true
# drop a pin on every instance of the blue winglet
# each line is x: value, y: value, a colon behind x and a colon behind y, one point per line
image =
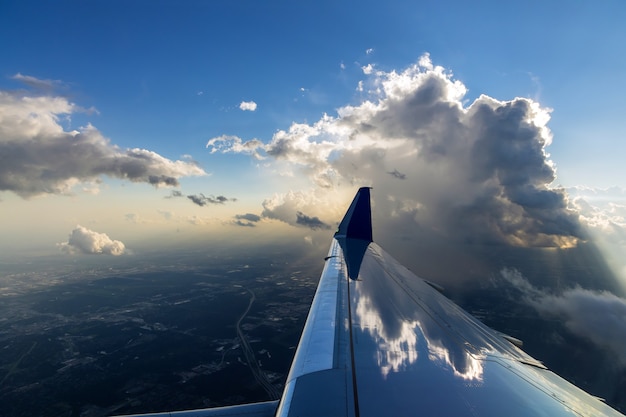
x: 355, y: 231
x: 357, y: 223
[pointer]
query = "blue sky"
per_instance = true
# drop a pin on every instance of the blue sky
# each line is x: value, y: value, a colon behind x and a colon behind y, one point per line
x: 167, y: 77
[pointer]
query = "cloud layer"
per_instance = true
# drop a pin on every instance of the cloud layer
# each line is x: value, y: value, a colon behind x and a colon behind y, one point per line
x: 83, y: 240
x: 474, y: 173
x: 598, y: 316
x: 38, y: 156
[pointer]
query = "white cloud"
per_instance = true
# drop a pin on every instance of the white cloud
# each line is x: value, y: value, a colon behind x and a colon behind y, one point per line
x: 598, y: 316
x: 37, y: 156
x: 229, y: 143
x: 477, y: 173
x: 368, y: 69
x: 83, y: 240
x: 369, y: 51
x: 247, y: 106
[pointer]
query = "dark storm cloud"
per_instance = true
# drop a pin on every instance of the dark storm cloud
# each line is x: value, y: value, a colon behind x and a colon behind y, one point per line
x: 313, y: 223
x: 202, y: 200
x: 478, y: 173
x: 38, y: 156
x: 599, y: 316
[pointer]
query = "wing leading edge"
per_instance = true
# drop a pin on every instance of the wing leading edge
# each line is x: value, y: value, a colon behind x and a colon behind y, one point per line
x: 378, y: 340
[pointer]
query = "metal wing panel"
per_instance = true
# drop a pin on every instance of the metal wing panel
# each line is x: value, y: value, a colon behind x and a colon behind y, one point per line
x: 416, y: 352
x: 264, y: 409
x: 319, y: 382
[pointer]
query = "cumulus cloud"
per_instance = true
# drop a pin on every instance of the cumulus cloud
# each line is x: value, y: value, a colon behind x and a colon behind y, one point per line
x: 367, y: 69
x: 290, y: 208
x: 247, y: 106
x: 599, y: 316
x: 37, y: 156
x: 479, y: 171
x: 83, y: 240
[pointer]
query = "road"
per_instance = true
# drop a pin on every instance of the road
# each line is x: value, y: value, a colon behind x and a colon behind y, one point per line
x: 248, y: 352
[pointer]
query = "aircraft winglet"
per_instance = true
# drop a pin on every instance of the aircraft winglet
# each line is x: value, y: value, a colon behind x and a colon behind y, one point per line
x: 357, y: 222
x: 355, y: 231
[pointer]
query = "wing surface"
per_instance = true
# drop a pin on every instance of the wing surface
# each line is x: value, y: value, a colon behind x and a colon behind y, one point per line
x: 381, y: 341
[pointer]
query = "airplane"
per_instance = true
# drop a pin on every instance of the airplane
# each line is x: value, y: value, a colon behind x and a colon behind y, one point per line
x: 379, y: 341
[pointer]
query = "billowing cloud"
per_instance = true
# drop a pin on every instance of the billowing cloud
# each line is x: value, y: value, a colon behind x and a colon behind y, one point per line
x: 479, y: 171
x: 367, y: 69
x: 38, y: 156
x: 83, y: 240
x: 598, y: 316
x: 247, y: 106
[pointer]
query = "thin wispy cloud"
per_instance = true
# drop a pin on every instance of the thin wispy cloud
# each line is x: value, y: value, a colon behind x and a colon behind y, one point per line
x: 45, y: 85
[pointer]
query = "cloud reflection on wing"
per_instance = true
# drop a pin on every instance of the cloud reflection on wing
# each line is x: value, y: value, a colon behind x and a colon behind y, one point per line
x: 404, y: 331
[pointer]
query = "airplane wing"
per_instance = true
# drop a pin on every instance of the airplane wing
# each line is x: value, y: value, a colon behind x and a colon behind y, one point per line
x: 379, y: 341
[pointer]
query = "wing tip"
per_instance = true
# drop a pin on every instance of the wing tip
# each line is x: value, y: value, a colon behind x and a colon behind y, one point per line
x: 357, y: 222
